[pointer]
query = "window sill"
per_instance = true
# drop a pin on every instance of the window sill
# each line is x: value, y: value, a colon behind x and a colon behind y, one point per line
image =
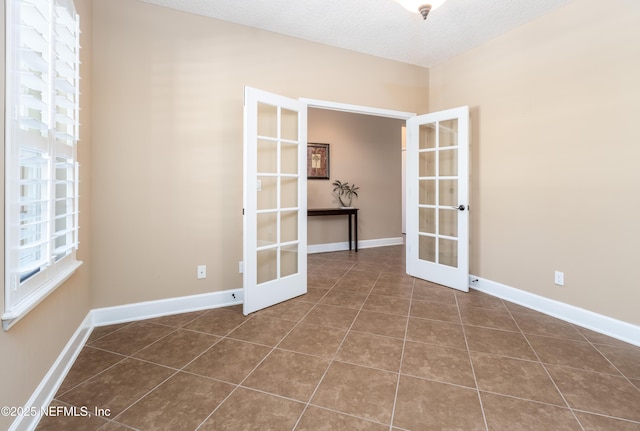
x: 11, y: 317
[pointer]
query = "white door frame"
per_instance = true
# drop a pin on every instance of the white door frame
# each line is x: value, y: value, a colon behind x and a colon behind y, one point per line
x: 366, y: 110
x: 357, y: 109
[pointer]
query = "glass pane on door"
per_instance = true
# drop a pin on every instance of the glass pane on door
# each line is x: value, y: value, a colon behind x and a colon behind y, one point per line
x: 448, y: 133
x: 427, y: 164
x: 267, y: 261
x: 289, y: 129
x: 448, y: 252
x: 449, y: 193
x: 448, y: 222
x: 448, y: 163
x: 427, y: 220
x: 289, y: 260
x: 267, y: 192
x: 427, y: 248
x: 267, y: 226
x: 427, y: 137
x: 289, y: 226
x: 289, y: 157
x: 289, y: 192
x: 427, y: 192
x: 267, y: 120
x: 267, y: 156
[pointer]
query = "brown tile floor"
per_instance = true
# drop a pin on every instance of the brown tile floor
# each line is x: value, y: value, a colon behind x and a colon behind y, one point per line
x: 367, y: 348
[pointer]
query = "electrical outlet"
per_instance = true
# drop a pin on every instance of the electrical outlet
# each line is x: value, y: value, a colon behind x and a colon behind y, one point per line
x: 559, y: 278
x: 240, y: 267
x: 202, y: 272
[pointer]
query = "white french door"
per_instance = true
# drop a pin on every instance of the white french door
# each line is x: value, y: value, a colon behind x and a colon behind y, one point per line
x: 275, y: 199
x: 437, y: 181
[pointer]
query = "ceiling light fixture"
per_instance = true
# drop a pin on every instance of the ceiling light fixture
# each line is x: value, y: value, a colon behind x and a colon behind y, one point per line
x: 422, y: 6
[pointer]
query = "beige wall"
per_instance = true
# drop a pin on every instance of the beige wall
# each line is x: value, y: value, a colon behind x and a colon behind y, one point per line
x: 555, y: 151
x: 31, y: 346
x: 167, y: 141
x: 365, y: 150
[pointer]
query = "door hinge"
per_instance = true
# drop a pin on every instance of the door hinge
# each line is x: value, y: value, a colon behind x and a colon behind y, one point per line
x: 242, y: 211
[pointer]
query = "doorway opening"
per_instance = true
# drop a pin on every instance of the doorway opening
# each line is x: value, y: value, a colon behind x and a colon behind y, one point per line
x: 365, y: 151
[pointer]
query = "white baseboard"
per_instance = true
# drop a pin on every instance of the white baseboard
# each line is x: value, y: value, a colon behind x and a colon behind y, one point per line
x: 46, y: 390
x: 618, y: 329
x: 342, y: 246
x: 165, y: 307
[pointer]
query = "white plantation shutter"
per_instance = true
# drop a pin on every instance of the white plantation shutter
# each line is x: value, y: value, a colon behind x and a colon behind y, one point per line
x: 41, y: 221
x: 65, y: 104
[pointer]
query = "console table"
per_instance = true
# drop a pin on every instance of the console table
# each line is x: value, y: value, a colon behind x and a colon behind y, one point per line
x: 340, y: 211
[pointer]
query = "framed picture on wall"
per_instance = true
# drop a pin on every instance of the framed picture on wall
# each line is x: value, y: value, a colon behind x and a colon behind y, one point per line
x: 317, y: 161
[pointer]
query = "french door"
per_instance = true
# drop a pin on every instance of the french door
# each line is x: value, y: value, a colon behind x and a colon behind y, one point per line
x: 275, y: 199
x: 437, y: 181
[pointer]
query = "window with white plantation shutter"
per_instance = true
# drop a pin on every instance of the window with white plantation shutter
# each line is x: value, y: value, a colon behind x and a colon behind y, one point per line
x: 41, y: 207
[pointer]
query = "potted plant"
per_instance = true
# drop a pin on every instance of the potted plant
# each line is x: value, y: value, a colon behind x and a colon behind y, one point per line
x: 345, y: 193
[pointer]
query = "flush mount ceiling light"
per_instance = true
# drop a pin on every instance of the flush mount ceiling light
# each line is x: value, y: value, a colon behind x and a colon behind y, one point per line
x: 422, y: 6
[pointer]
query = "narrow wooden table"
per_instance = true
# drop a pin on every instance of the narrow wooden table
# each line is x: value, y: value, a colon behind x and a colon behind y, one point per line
x: 340, y: 211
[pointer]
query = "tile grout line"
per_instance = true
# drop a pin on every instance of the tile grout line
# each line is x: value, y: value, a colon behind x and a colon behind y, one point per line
x: 631, y: 421
x: 404, y: 343
x: 610, y: 362
x: 473, y: 369
x: 555, y: 385
x: 112, y: 332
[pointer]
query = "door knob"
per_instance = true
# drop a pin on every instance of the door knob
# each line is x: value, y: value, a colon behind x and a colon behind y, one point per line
x: 460, y: 207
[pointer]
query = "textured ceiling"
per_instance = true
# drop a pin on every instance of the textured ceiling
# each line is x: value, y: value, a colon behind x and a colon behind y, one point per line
x: 378, y: 27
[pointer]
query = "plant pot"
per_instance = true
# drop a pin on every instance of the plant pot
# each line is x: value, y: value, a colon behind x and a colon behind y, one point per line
x: 345, y: 203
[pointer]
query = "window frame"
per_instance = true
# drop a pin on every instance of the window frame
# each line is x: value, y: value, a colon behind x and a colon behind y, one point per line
x: 41, y: 167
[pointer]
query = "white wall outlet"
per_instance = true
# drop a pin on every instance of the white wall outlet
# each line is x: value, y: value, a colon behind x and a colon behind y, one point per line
x: 240, y: 267
x: 202, y: 272
x: 559, y: 278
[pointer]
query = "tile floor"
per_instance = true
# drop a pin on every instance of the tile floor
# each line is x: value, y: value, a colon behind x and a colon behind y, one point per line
x: 367, y: 348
